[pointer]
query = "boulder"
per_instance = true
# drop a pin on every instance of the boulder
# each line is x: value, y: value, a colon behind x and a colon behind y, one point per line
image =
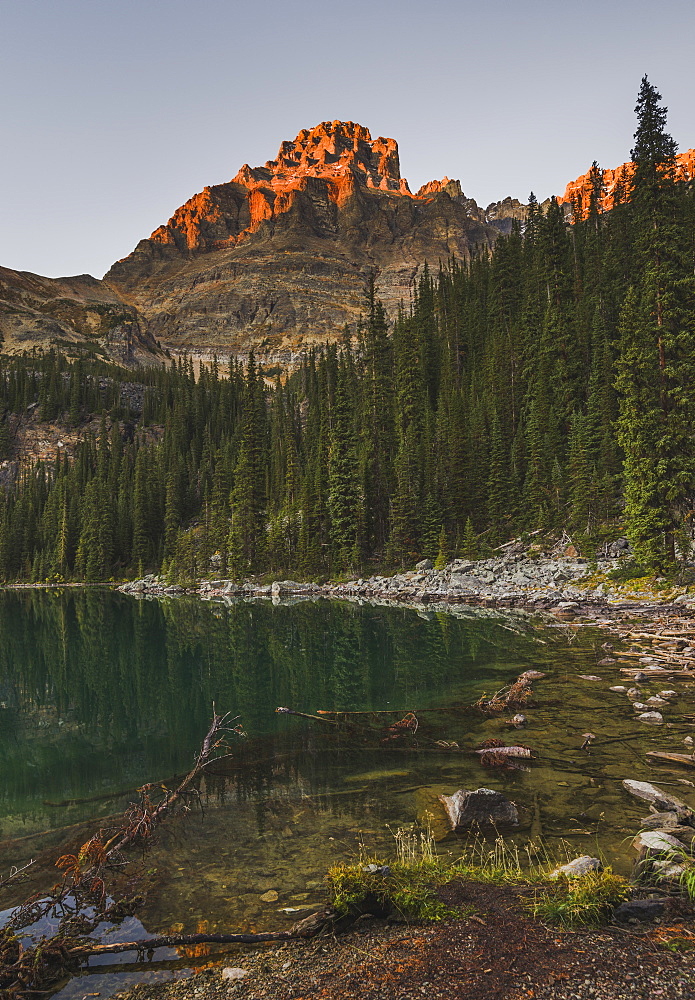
x: 670, y: 869
x: 582, y: 865
x: 649, y: 842
x: 661, y: 821
x: 461, y: 566
x: 480, y: 808
x: 641, y: 910
x: 654, y: 718
x: 424, y: 564
x: 288, y: 587
x: 659, y: 799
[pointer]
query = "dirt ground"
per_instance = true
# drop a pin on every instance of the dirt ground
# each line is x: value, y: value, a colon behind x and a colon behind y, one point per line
x: 497, y: 951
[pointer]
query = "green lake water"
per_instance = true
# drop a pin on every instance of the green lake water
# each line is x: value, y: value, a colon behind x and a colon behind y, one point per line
x: 101, y: 692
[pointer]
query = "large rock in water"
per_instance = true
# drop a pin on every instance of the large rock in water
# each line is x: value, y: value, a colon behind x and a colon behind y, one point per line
x: 659, y: 799
x: 481, y: 808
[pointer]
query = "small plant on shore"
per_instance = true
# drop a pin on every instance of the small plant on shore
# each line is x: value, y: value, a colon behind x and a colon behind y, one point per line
x: 499, y: 863
x: 584, y: 901
x: 404, y: 887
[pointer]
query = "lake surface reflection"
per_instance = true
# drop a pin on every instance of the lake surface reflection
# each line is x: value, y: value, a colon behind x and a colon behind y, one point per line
x: 101, y: 692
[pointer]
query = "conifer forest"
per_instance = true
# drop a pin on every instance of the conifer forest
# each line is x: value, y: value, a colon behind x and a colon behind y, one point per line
x: 548, y: 383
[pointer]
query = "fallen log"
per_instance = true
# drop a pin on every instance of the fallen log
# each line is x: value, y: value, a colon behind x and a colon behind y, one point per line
x: 173, y: 940
x: 306, y: 715
x: 686, y: 675
x: 672, y: 758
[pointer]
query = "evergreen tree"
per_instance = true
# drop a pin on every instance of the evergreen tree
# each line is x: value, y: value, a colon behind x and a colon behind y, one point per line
x: 657, y: 349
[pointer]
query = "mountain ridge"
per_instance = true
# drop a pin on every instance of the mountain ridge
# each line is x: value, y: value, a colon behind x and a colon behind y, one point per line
x: 278, y: 258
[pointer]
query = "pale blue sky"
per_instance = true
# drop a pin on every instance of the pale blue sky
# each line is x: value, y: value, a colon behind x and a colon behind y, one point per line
x: 114, y: 113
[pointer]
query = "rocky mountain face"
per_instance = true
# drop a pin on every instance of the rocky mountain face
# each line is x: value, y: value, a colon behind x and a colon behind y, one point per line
x: 39, y: 312
x: 279, y: 257
x: 579, y: 192
x: 276, y: 259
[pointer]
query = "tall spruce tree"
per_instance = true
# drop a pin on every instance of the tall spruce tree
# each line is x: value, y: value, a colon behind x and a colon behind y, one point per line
x: 657, y: 349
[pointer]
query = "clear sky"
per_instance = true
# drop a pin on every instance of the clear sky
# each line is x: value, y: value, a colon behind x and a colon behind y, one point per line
x: 115, y: 112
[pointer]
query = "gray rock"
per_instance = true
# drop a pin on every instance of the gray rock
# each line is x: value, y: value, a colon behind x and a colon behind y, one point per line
x: 642, y: 910
x: 653, y: 718
x: 424, y: 564
x: 657, y: 842
x: 461, y: 566
x: 464, y: 582
x: 660, y: 821
x: 288, y: 587
x: 582, y: 865
x: 482, y: 807
x: 518, y: 720
x: 658, y: 798
x: 669, y: 869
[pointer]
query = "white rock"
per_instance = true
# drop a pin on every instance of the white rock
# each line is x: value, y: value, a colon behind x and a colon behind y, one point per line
x: 667, y: 869
x: 234, y: 973
x: 667, y: 694
x: 657, y: 841
x: 577, y: 867
x: 656, y: 797
x: 639, y: 706
x: 618, y: 687
x: 655, y: 718
x: 656, y: 700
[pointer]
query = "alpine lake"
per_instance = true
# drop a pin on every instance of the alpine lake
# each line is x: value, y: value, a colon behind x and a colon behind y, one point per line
x: 101, y: 692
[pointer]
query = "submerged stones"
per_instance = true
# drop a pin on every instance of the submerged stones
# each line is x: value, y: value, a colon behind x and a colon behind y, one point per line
x: 654, y: 718
x: 483, y: 807
x: 659, y: 799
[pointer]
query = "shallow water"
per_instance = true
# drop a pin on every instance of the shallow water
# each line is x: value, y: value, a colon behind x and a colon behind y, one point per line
x: 100, y: 692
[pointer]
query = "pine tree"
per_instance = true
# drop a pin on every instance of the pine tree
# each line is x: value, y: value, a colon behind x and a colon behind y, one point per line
x: 657, y: 349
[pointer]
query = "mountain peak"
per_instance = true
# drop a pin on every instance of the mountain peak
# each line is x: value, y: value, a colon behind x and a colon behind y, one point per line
x: 332, y: 151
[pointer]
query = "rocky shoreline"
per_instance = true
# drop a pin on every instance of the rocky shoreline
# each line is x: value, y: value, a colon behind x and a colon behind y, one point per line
x: 521, y: 579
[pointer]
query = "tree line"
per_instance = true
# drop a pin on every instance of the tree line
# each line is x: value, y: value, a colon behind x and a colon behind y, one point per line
x: 547, y: 383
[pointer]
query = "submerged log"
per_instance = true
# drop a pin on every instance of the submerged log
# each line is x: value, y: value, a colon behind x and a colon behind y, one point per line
x: 672, y: 758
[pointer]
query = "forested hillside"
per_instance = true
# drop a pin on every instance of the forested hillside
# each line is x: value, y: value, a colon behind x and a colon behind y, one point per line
x: 547, y: 383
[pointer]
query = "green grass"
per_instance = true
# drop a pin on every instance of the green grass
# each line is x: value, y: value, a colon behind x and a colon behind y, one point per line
x: 586, y: 901
x: 406, y: 886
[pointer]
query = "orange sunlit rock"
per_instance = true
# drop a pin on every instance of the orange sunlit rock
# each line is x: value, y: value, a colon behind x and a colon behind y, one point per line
x: 578, y: 192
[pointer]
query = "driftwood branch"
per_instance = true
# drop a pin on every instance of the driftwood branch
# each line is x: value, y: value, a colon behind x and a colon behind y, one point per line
x: 145, y: 816
x: 16, y: 873
x: 304, y: 928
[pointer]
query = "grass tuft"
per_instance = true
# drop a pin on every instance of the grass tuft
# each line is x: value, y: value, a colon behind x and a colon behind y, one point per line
x: 585, y: 901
